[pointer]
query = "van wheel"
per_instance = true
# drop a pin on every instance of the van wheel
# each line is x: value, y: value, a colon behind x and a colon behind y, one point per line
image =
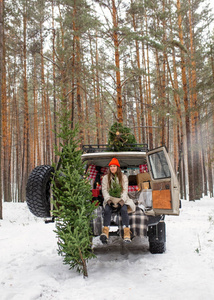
x: 157, y: 247
x: 38, y: 191
x: 157, y: 238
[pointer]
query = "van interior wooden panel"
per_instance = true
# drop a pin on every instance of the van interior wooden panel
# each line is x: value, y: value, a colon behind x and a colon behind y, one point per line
x: 161, y: 199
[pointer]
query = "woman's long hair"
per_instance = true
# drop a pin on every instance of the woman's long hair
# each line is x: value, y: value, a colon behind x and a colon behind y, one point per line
x: 119, y: 176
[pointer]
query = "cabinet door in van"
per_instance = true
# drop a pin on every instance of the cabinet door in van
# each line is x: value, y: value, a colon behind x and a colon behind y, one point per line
x: 164, y: 183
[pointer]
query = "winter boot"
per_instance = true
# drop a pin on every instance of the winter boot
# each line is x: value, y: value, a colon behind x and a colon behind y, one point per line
x: 127, y: 235
x: 105, y: 235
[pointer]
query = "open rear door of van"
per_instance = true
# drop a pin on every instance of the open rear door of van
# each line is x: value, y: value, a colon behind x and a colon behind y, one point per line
x: 164, y: 183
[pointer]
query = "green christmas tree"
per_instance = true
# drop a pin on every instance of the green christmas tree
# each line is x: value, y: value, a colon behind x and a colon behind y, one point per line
x: 73, y: 207
x: 120, y: 138
x: 115, y: 189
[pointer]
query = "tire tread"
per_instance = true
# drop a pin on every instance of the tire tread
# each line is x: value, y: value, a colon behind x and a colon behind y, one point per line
x: 38, y: 191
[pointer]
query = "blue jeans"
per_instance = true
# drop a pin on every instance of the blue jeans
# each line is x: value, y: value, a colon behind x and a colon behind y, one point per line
x: 108, y: 212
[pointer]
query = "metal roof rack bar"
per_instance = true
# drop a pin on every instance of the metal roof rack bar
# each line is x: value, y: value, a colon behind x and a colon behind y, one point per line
x: 107, y: 148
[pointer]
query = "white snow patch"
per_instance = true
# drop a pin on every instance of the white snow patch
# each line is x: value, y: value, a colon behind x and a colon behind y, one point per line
x: 32, y: 269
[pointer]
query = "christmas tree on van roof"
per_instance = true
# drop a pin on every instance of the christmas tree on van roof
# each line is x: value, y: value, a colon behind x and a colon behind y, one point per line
x: 120, y: 137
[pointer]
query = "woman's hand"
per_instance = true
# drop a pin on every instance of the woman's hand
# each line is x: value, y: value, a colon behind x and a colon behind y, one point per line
x: 110, y: 203
x: 120, y: 205
x: 121, y: 202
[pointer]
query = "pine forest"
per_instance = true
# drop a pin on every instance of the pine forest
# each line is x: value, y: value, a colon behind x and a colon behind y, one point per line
x: 148, y: 64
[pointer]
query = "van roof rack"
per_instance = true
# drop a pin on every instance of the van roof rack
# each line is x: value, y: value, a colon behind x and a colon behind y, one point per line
x: 107, y: 148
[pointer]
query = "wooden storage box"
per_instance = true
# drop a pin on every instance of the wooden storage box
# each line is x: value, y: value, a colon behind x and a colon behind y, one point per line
x: 142, y: 177
x: 145, y: 185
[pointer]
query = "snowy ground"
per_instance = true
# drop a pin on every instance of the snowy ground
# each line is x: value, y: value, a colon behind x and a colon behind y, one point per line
x: 31, y: 268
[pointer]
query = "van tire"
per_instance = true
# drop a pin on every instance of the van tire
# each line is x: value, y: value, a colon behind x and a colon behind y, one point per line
x: 157, y: 247
x: 157, y: 238
x: 38, y: 191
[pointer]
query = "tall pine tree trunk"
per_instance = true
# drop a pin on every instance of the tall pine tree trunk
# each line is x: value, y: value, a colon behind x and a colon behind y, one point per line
x: 26, y: 133
x: 1, y: 73
x: 78, y: 70
x: 179, y: 127
x: 117, y: 63
x: 197, y: 169
x: 145, y: 92
x: 180, y: 133
x: 72, y: 85
x: 46, y: 137
x: 140, y: 112
x: 149, y: 96
x: 205, y: 190
x: 95, y: 77
x: 163, y: 85
x: 99, y: 117
x: 159, y: 137
x: 6, y: 129
x: 17, y: 139
x: 209, y: 159
x: 186, y: 106
x: 54, y: 82
x: 37, y: 155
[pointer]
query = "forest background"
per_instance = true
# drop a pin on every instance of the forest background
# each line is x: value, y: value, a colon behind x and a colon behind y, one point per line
x: 148, y: 64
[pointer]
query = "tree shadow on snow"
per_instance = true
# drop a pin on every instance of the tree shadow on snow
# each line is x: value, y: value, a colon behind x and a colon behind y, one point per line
x: 118, y: 249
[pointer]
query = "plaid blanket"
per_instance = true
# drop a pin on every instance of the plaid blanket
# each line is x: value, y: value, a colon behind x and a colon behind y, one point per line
x: 133, y: 188
x: 93, y: 172
x: 143, y: 168
x: 138, y: 222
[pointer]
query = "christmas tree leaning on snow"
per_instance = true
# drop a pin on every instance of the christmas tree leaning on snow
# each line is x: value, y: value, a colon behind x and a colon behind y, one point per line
x: 73, y: 208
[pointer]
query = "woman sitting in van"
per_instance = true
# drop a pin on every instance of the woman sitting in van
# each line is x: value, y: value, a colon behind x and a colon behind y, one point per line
x: 122, y: 203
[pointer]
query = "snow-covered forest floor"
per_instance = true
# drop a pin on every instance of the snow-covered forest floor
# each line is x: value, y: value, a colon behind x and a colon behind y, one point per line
x: 31, y: 268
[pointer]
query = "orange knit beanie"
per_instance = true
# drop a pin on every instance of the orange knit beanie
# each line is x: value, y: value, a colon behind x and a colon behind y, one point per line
x: 115, y: 162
